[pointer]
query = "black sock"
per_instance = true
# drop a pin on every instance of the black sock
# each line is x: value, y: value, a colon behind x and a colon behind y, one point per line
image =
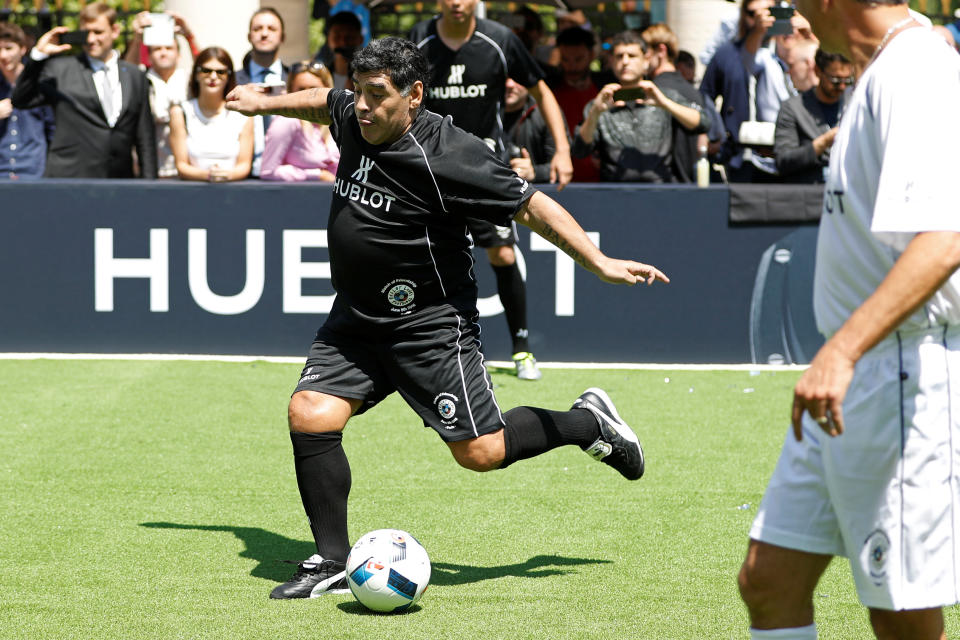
x: 513, y: 296
x: 530, y: 431
x: 323, y: 475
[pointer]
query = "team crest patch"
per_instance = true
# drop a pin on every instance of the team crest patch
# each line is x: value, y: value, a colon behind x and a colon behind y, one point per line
x: 400, y: 295
x: 874, y: 556
x: 446, y: 404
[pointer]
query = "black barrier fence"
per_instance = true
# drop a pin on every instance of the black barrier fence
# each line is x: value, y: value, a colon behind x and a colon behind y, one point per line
x: 173, y: 267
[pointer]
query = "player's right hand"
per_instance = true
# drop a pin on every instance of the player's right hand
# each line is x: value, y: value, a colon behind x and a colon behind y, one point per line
x: 821, y: 390
x: 629, y: 272
x: 49, y: 43
x: 246, y: 99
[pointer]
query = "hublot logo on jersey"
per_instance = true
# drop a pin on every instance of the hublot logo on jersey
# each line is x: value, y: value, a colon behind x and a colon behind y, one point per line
x: 363, y: 171
x: 359, y: 191
x: 458, y: 91
x: 362, y: 194
x: 456, y: 73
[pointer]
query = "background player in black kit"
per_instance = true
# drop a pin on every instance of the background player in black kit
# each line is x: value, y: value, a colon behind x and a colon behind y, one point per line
x: 405, y: 314
x: 470, y: 60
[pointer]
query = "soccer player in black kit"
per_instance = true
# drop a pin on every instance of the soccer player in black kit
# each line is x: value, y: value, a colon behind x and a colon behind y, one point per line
x: 470, y: 60
x: 405, y: 314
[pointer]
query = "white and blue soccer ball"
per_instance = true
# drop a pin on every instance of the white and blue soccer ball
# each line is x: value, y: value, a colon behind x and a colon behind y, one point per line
x: 388, y: 570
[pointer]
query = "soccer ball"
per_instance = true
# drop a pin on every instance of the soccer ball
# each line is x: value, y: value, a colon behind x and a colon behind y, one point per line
x: 388, y: 570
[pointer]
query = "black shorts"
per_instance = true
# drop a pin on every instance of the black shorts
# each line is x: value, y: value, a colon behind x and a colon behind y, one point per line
x: 434, y: 363
x: 486, y: 234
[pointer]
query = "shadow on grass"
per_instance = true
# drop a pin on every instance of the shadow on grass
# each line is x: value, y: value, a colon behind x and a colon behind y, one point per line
x: 353, y: 607
x: 267, y: 548
x: 270, y: 550
x: 446, y: 574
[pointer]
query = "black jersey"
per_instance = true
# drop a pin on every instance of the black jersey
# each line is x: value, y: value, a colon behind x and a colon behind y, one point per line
x: 397, y: 234
x: 469, y: 83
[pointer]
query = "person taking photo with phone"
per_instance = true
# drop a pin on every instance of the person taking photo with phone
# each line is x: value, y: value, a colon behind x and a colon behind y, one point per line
x: 629, y: 124
x: 101, y: 103
x: 168, y: 82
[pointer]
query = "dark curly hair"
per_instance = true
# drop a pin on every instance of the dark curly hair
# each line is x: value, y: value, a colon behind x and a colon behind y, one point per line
x: 398, y: 58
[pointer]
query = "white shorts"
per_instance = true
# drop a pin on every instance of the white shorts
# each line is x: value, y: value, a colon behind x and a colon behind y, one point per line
x: 886, y: 493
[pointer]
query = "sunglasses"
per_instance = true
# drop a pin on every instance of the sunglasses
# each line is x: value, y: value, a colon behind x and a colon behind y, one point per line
x: 313, y: 66
x: 206, y: 71
x: 835, y: 81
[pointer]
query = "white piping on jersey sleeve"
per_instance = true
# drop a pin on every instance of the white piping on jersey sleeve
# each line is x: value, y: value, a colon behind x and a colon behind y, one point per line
x: 430, y: 171
x: 503, y: 58
x: 343, y: 112
x: 425, y: 41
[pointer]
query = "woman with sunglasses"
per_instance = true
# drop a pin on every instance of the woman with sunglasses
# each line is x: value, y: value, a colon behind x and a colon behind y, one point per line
x: 298, y: 150
x: 209, y: 142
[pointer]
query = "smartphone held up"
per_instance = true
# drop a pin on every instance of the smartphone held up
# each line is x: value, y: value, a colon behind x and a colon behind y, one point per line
x: 74, y: 38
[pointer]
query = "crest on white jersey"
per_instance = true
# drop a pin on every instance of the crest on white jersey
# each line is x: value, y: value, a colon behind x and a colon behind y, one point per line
x: 456, y: 73
x: 363, y: 170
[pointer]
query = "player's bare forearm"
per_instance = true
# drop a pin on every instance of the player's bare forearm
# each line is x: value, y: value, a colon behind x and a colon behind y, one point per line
x: 306, y: 105
x: 546, y: 217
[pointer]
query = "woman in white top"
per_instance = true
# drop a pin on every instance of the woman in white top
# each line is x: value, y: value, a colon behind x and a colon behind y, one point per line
x: 209, y: 142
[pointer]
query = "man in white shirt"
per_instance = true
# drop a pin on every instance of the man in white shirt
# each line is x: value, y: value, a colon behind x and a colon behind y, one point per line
x: 262, y: 65
x: 97, y: 129
x: 871, y: 468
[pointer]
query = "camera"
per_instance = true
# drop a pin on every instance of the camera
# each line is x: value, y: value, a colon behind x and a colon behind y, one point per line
x: 782, y: 12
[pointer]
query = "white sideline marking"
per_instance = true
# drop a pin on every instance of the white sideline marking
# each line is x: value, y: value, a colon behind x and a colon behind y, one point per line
x: 499, y: 364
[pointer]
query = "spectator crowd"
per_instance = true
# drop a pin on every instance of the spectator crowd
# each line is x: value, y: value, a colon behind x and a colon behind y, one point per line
x: 629, y: 105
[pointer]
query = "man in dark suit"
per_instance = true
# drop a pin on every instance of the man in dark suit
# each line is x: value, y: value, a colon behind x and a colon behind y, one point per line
x: 100, y: 102
x: 807, y: 123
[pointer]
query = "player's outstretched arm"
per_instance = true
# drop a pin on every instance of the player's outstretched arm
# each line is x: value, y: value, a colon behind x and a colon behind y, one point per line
x: 306, y: 105
x: 548, y: 218
x: 924, y: 266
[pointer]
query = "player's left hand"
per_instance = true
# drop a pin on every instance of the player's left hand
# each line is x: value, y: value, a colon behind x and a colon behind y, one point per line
x: 629, y: 272
x: 561, y: 169
x: 821, y: 390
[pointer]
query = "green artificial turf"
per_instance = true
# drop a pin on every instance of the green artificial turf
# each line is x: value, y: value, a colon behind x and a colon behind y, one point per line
x: 145, y: 499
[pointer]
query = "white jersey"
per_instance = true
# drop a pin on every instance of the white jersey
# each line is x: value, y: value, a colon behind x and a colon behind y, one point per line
x: 899, y: 124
